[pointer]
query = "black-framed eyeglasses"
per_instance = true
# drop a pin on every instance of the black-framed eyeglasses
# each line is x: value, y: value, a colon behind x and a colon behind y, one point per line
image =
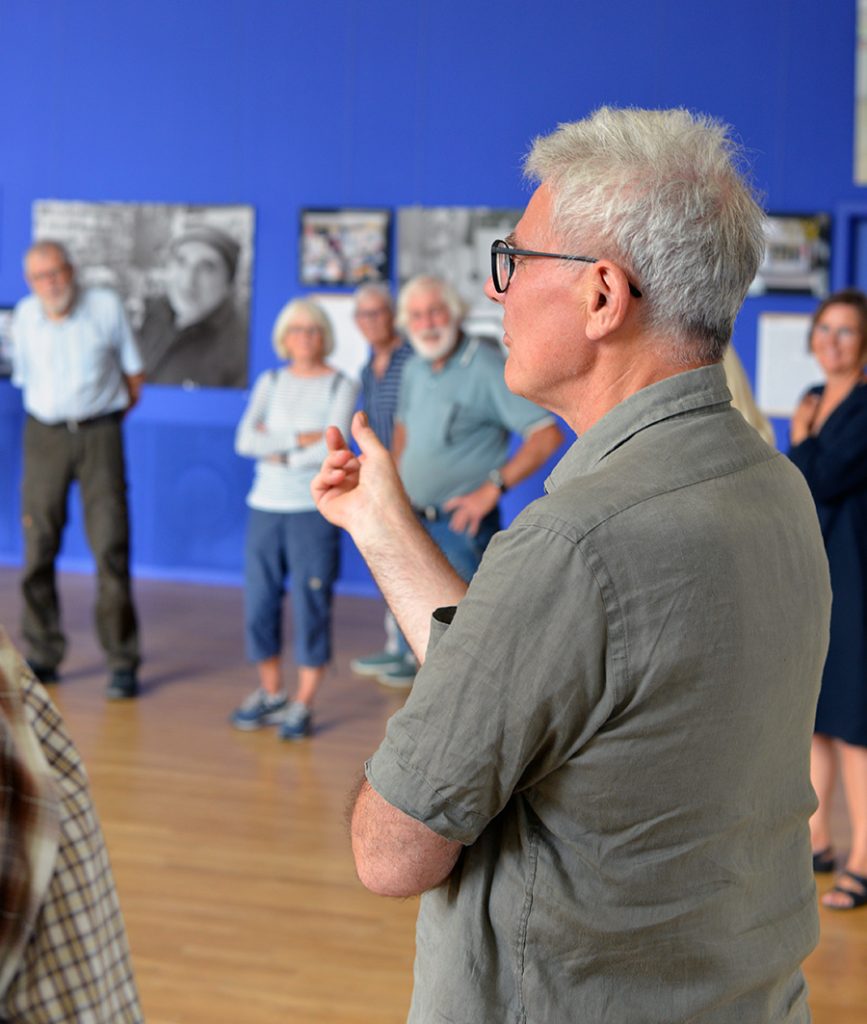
x: 503, y: 264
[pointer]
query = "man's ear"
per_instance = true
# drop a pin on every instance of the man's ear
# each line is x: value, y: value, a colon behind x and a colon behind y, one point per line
x: 607, y: 299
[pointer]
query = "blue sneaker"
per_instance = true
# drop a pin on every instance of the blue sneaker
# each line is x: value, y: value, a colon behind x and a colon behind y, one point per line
x: 259, y: 709
x: 295, y: 722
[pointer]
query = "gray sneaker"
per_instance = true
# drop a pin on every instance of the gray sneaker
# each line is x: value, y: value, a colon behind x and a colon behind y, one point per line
x: 295, y: 722
x: 259, y: 709
x: 376, y: 664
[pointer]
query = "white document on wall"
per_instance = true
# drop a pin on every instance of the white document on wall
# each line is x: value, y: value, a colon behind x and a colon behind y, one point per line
x: 351, y: 351
x: 785, y: 369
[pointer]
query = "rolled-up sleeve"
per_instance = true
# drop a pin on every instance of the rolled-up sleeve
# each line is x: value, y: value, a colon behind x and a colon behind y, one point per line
x: 510, y: 689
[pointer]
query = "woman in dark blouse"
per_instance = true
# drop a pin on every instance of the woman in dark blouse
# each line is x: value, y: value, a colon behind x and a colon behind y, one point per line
x: 829, y: 446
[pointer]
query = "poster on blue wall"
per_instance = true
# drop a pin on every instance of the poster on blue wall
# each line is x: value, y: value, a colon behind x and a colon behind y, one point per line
x: 5, y: 341
x: 184, y: 273
x: 861, y: 96
x: 454, y: 242
x: 797, y: 256
x: 343, y: 247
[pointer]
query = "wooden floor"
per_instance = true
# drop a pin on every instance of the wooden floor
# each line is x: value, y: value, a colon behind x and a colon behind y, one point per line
x: 230, y: 849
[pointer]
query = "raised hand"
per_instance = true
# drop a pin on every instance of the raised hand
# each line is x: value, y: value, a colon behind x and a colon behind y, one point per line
x: 360, y: 493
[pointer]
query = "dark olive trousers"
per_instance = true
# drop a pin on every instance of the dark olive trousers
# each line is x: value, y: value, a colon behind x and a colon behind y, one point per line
x: 54, y: 456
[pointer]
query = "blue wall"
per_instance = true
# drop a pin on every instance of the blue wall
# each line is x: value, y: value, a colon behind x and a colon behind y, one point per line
x: 282, y: 104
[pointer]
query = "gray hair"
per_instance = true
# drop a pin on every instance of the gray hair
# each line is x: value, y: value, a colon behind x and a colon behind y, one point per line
x: 374, y: 289
x: 664, y: 193
x: 44, y: 245
x: 284, y: 321
x: 428, y: 282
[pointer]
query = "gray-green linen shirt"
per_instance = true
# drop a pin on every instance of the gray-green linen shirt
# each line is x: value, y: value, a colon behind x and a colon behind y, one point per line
x: 617, y: 722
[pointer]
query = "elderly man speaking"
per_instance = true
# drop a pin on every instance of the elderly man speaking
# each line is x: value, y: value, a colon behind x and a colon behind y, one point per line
x: 600, y: 781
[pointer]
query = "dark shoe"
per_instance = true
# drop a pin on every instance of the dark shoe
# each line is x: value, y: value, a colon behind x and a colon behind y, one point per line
x: 823, y: 861
x: 122, y: 685
x: 296, y: 722
x: 44, y: 673
x: 857, y: 897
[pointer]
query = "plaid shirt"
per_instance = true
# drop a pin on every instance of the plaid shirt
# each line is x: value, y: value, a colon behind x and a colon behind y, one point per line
x: 63, y: 950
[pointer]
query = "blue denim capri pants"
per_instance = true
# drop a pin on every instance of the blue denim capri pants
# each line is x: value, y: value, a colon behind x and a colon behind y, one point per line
x: 305, y: 548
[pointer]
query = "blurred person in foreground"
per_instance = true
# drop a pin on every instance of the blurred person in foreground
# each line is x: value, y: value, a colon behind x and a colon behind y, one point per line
x: 829, y: 446
x: 742, y: 396
x: 600, y: 780
x: 454, y: 423
x: 283, y: 428
x: 79, y: 368
x: 63, y: 949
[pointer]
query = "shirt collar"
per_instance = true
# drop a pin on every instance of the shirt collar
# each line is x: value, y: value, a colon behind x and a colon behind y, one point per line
x: 684, y: 392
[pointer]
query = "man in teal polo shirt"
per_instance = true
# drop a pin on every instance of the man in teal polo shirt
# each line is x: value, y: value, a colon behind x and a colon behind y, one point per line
x: 452, y: 433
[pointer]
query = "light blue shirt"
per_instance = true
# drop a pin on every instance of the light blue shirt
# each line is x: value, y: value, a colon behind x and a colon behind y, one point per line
x: 73, y: 369
x: 458, y: 422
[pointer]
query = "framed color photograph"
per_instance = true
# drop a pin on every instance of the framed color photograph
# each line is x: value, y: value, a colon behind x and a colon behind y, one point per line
x: 798, y: 255
x: 343, y: 248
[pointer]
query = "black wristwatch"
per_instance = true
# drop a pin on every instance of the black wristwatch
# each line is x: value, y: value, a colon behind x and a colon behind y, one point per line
x: 496, y: 478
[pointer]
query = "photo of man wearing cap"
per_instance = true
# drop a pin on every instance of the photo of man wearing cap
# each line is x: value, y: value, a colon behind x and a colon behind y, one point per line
x: 193, y: 335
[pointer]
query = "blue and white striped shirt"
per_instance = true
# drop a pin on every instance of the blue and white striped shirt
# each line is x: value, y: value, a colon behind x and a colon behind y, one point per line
x: 379, y: 395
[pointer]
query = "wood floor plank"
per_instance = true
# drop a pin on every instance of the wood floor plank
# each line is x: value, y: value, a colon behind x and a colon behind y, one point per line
x: 230, y: 849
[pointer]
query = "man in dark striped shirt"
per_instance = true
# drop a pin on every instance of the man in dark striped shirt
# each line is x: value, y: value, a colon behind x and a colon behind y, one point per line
x: 380, y: 378
x: 380, y: 386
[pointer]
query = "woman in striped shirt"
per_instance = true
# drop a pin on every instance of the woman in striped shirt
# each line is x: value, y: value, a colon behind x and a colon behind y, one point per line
x: 283, y: 428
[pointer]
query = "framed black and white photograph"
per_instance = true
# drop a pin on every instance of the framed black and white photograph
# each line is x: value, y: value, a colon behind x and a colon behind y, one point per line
x: 5, y: 341
x: 343, y: 247
x: 184, y: 273
x: 454, y: 242
x: 798, y: 255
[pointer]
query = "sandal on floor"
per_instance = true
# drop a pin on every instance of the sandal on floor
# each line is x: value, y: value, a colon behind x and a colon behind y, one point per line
x: 823, y: 862
x: 856, y: 898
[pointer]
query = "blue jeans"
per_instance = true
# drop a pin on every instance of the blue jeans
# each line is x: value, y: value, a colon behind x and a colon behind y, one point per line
x: 305, y: 547
x: 464, y: 553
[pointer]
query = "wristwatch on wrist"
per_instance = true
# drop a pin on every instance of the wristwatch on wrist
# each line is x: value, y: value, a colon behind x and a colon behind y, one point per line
x: 496, y: 478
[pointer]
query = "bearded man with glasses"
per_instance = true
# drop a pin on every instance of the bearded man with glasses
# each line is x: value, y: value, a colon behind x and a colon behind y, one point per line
x: 600, y: 781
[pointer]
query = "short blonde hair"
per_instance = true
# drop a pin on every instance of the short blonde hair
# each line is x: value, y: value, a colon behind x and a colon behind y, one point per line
x: 284, y: 321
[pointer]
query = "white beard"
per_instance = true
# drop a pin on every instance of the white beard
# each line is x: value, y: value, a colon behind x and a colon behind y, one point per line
x: 435, y: 342
x: 61, y: 304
